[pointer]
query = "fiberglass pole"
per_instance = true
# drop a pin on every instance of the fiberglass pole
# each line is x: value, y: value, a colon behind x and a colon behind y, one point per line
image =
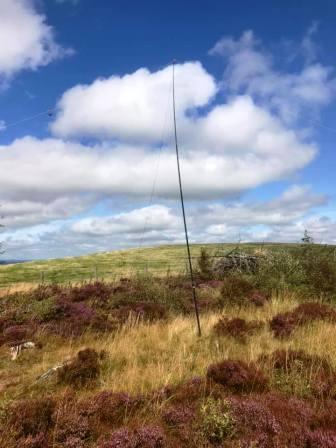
x: 183, y: 212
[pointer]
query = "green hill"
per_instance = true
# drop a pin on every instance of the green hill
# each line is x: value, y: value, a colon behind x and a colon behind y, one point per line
x: 111, y: 265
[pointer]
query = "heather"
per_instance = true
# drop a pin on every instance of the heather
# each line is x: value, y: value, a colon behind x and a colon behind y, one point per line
x: 130, y: 370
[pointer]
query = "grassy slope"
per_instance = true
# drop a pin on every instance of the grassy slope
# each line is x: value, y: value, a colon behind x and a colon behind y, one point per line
x: 111, y: 265
x: 146, y: 357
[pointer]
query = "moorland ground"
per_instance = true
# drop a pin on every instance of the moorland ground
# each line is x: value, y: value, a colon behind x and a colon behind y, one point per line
x: 130, y: 370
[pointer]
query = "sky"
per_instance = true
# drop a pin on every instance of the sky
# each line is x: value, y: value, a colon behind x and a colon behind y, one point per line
x: 87, y: 159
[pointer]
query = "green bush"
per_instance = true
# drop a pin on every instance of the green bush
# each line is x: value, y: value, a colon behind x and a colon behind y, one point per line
x: 217, y: 422
x: 236, y: 290
x: 205, y: 265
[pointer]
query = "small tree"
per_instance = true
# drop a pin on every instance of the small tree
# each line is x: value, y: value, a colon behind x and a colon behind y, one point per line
x: 307, y: 239
x: 205, y: 265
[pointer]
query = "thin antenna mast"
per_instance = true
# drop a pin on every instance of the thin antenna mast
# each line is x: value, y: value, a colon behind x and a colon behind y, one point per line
x: 183, y: 212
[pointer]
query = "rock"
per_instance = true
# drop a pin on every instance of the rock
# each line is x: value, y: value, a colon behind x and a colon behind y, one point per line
x: 15, y: 350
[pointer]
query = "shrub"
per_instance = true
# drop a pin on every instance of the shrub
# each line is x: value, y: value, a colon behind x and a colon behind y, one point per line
x: 122, y: 438
x: 237, y: 376
x: 236, y: 327
x: 185, y: 392
x: 73, y: 442
x: 72, y: 427
x: 320, y: 270
x: 178, y: 415
x: 140, y: 310
x: 205, y: 265
x: 322, y: 439
x: 17, y: 334
x: 98, y: 291
x: 38, y: 441
x: 144, y: 437
x: 284, y: 324
x: 83, y: 370
x: 112, y: 407
x: 150, y: 436
x: 216, y: 420
x: 236, y: 290
x: 32, y: 416
x: 270, y: 421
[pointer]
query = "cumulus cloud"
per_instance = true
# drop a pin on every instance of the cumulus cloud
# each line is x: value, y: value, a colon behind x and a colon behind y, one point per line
x: 26, y: 40
x: 131, y: 107
x: 250, y: 69
x: 23, y: 213
x: 33, y: 169
x: 147, y: 219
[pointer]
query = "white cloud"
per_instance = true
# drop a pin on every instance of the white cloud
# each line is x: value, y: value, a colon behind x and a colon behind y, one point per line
x: 132, y: 107
x: 23, y: 213
x: 146, y: 219
x: 26, y: 40
x: 283, y: 218
x: 32, y: 169
x: 2, y: 125
x: 250, y: 69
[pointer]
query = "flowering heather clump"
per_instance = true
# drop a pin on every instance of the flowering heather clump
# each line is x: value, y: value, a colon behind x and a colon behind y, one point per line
x: 73, y: 442
x: 31, y: 417
x: 73, y: 318
x: 186, y: 392
x: 178, y: 415
x: 111, y: 407
x: 258, y: 298
x: 284, y: 324
x: 270, y: 421
x: 17, y: 333
x: 145, y: 437
x: 71, y: 426
x: 144, y: 310
x: 263, y: 420
x: 99, y: 291
x: 322, y: 439
x: 122, y: 438
x: 236, y: 327
x: 237, y: 376
x: 37, y: 441
x: 150, y: 436
x: 84, y: 370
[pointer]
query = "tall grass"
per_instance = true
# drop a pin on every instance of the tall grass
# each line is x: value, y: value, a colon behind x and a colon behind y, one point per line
x: 147, y: 356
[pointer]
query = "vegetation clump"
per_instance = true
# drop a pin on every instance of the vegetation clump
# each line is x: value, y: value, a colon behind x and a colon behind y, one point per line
x: 217, y: 423
x: 236, y: 327
x: 30, y: 417
x: 83, y: 370
x: 237, y: 376
x: 283, y: 324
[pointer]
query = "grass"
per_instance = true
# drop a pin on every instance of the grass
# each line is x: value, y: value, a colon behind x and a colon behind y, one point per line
x: 148, y: 374
x: 146, y: 356
x: 111, y: 265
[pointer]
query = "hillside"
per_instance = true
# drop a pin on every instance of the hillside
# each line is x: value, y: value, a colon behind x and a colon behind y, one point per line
x: 111, y: 265
x: 119, y: 364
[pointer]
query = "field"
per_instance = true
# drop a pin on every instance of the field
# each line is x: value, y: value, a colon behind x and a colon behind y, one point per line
x: 112, y: 265
x: 119, y: 363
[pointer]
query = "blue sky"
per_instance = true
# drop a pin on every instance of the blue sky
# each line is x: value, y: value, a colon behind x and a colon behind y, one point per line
x: 256, y: 86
